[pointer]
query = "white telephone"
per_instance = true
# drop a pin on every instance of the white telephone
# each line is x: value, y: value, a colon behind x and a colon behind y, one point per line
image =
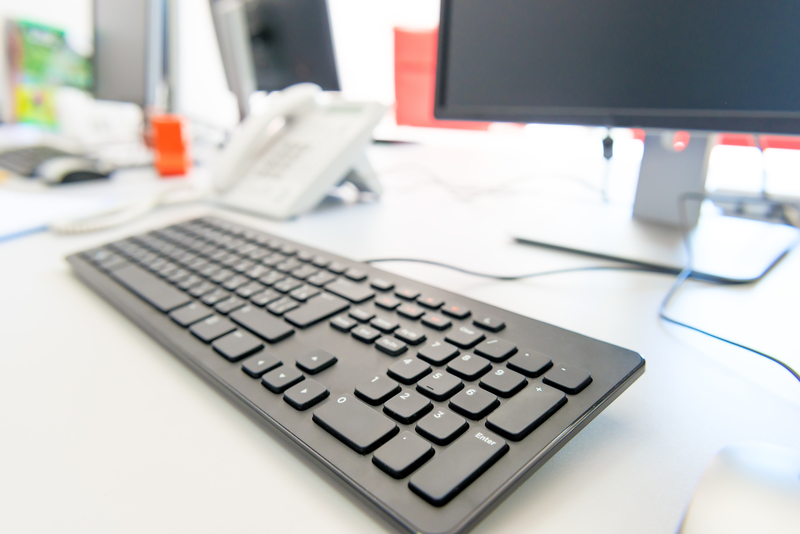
x: 285, y: 160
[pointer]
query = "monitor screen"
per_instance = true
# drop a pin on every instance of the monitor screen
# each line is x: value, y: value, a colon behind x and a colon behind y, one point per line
x: 708, y: 65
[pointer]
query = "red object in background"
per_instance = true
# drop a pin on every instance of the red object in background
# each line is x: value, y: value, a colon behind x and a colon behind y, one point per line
x: 415, y: 80
x: 171, y: 145
x: 680, y: 140
x: 736, y: 139
x: 779, y: 141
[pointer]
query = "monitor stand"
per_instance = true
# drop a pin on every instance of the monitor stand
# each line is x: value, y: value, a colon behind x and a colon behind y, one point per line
x: 724, y: 248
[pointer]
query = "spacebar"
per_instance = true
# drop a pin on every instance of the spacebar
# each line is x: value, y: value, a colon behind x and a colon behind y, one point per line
x: 454, y: 469
x: 151, y: 288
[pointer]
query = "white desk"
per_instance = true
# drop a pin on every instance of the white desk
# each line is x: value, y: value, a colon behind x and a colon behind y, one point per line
x: 104, y: 431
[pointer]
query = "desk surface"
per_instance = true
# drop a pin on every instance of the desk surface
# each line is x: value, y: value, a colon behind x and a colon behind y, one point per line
x: 104, y: 431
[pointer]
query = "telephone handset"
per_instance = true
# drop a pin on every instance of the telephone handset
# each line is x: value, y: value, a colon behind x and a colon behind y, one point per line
x: 285, y: 160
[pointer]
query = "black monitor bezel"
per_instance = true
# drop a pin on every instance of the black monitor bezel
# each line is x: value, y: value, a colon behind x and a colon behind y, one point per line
x: 660, y: 118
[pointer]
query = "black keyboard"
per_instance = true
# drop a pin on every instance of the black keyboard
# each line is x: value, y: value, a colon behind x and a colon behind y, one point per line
x: 430, y: 406
x: 23, y: 161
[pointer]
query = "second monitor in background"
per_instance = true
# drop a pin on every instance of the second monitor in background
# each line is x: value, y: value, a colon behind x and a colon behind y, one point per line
x: 268, y: 45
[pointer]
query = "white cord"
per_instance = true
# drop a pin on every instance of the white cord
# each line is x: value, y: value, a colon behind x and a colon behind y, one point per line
x: 127, y: 212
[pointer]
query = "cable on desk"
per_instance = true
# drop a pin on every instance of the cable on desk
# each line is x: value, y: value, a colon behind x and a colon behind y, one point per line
x: 679, y: 281
x: 522, y: 276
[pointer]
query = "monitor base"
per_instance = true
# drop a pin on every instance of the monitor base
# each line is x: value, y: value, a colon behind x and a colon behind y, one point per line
x: 726, y: 249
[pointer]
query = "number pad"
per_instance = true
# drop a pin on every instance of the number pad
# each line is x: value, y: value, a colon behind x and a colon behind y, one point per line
x: 409, y: 370
x: 407, y: 407
x: 474, y: 403
x: 469, y: 367
x: 504, y: 382
x: 442, y: 426
x: 378, y: 390
x: 439, y: 386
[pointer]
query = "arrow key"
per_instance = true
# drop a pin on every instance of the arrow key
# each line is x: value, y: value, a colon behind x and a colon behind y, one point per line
x: 280, y: 379
x: 258, y: 365
x: 305, y: 394
x: 315, y: 361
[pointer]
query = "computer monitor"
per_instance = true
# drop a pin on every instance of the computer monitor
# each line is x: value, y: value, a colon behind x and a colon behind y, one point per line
x: 130, y: 50
x: 715, y: 65
x: 268, y: 45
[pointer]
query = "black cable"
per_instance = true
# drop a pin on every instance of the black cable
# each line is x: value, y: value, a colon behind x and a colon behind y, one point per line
x: 523, y: 276
x: 679, y: 281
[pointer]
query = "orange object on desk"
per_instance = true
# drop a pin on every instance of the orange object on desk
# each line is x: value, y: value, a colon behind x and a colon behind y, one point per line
x: 171, y: 145
x: 415, y: 80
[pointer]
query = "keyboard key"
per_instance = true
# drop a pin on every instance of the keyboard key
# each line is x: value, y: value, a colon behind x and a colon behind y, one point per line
x: 288, y: 265
x: 361, y: 315
x: 464, y: 337
x: 228, y: 305
x: 257, y: 271
x: 305, y: 255
x: 407, y: 407
x: 155, y: 291
x: 429, y: 301
x: 436, y: 321
x: 408, y: 293
x: 409, y: 336
x: 530, y: 363
x: 189, y: 281
x: 315, y: 361
x: 365, y: 334
x: 384, y: 325
x: 320, y: 279
x: 262, y: 324
x: 381, y: 285
x: 391, y: 346
x: 410, y: 311
x: 201, y: 289
x: 260, y: 364
x: 345, y: 324
x: 271, y: 278
x: 409, y: 370
x: 521, y: 415
x: 211, y: 328
x: 303, y: 293
x: 356, y: 275
x: 218, y: 295
x: 487, y: 322
x: 305, y: 394
x: 378, y: 390
x: 437, y: 352
x: 469, y: 367
x: 355, y: 424
x: 503, y: 382
x: 356, y: 293
x: 474, y: 403
x: 337, y: 267
x: 235, y: 281
x: 237, y: 345
x: 265, y: 297
x: 442, y: 426
x: 440, y: 385
x: 316, y: 309
x: 456, y: 311
x: 568, y: 378
x: 403, y: 455
x: 452, y: 470
x: 287, y: 285
x: 191, y: 313
x: 221, y: 276
x: 387, y: 302
x: 280, y: 379
x: 282, y: 305
x: 320, y: 261
x: 496, y: 350
x: 248, y: 290
x: 304, y: 271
